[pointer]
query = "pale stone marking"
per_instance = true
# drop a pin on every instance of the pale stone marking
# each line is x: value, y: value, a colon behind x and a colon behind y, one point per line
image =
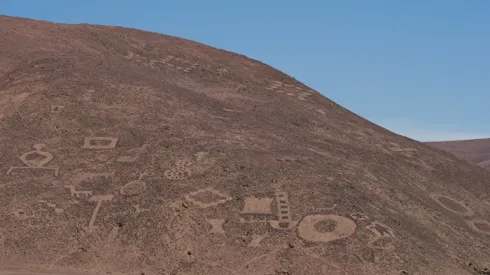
x: 338, y: 228
x: 255, y: 205
x: 78, y: 194
x: 88, y: 143
x: 256, y: 240
x: 42, y: 158
x: 284, y: 221
x: 190, y: 197
x: 216, y: 226
x: 99, y: 199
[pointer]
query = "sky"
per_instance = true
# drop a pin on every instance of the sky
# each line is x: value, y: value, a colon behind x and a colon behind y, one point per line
x: 418, y: 68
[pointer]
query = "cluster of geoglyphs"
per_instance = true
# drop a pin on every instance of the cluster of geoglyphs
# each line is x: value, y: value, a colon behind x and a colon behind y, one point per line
x: 318, y: 227
x: 315, y: 228
x: 169, y: 61
x: 187, y: 66
x: 38, y: 159
x: 476, y: 223
x: 288, y: 89
x: 321, y: 225
x: 255, y: 209
x: 291, y: 90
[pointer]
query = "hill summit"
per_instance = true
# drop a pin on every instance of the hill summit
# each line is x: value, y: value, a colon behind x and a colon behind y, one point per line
x: 133, y: 152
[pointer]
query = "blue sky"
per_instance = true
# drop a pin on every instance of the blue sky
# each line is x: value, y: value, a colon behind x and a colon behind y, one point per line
x: 419, y: 68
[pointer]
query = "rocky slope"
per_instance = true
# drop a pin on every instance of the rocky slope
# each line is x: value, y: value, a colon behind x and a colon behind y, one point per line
x: 132, y: 152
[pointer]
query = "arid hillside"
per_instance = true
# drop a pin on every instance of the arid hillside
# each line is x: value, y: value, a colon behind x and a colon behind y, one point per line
x: 474, y: 150
x: 133, y: 152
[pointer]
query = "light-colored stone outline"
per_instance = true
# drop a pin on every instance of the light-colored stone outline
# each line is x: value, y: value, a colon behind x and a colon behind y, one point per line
x: 137, y: 182
x: 180, y: 171
x: 469, y: 212
x: 284, y: 221
x: 87, y: 140
x: 259, y: 206
x: 372, y: 227
x: 134, y: 182
x: 2, y: 240
x: 81, y: 177
x: 12, y: 168
x: 75, y: 193
x: 359, y: 216
x: 167, y: 61
x: 129, y: 55
x: 57, y: 210
x: 216, y: 226
x: 472, y: 222
x: 344, y: 227
x: 56, y: 108
x: 22, y: 214
x: 99, y: 199
x: 380, y: 236
x: 38, y: 149
x: 250, y: 219
x: 138, y: 210
x: 257, y: 239
x: 323, y: 209
x: 372, y: 244
x: 225, y: 197
x: 127, y: 159
x: 35, y: 164
x: 170, y: 173
x: 132, y: 155
x: 280, y: 87
x: 152, y: 63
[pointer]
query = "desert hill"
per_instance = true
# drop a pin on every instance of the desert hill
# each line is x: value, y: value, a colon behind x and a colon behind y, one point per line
x: 474, y: 150
x: 133, y: 152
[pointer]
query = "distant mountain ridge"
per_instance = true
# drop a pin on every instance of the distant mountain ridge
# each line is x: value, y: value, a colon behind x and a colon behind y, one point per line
x: 476, y: 151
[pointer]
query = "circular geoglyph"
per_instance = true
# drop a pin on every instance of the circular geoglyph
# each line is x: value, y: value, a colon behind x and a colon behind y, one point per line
x: 480, y: 226
x: 133, y: 188
x: 325, y: 228
x: 453, y: 205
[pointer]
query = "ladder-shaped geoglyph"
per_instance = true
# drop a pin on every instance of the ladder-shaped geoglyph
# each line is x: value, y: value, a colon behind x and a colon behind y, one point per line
x: 312, y: 228
x: 284, y: 220
x: 259, y: 210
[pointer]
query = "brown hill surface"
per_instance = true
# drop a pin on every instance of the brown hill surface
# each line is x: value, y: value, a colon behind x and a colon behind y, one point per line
x: 133, y: 152
x: 474, y: 150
